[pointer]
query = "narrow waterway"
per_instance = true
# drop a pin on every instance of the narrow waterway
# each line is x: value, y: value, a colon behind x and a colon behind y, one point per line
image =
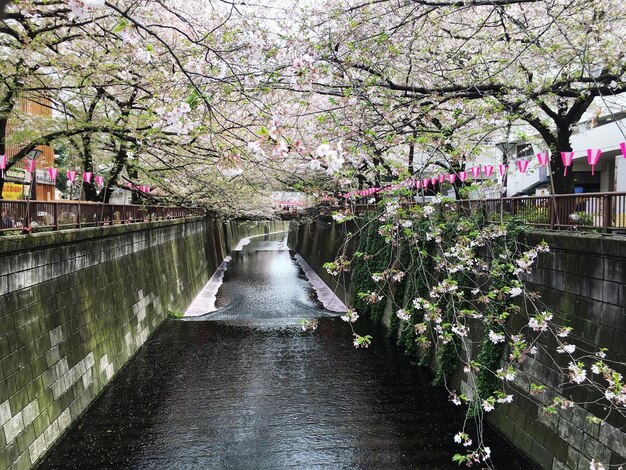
x: 244, y: 388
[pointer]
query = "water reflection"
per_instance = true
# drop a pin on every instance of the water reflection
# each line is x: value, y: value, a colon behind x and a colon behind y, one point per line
x: 248, y: 390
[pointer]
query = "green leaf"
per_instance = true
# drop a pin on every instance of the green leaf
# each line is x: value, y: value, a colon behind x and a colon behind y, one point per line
x: 121, y: 25
x: 193, y: 98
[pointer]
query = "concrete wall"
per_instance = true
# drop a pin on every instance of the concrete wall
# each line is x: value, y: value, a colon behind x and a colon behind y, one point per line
x: 76, y: 305
x: 320, y: 241
x: 583, y: 281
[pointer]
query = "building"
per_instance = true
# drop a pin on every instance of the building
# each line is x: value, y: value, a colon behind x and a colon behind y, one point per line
x: 17, y: 182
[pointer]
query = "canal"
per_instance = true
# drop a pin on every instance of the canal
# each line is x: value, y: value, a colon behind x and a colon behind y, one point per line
x: 244, y: 388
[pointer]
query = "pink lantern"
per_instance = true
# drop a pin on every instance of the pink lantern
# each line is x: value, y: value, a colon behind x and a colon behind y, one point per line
x: 425, y: 182
x: 475, y: 171
x: 3, y: 164
x: 433, y: 180
x: 543, y: 158
x: 130, y: 185
x: 71, y: 175
x: 592, y: 158
x: 462, y: 176
x: 488, y: 170
x: 451, y: 177
x: 622, y: 146
x: 567, y: 158
x: 418, y: 184
x: 502, y: 169
x: 87, y: 177
x: 30, y: 165
x: 442, y: 178
x: 522, y: 165
x: 53, y: 172
x: 99, y: 181
x: 147, y: 190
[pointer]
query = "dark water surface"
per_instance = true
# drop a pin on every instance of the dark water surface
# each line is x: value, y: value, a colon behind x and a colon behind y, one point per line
x: 248, y: 390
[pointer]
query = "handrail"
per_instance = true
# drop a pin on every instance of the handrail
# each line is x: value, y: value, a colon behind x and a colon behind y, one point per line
x: 604, y: 211
x: 62, y: 215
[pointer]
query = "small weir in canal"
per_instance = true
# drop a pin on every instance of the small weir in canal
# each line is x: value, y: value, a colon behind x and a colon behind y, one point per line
x: 243, y: 388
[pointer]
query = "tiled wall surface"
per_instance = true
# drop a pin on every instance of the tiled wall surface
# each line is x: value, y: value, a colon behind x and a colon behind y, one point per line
x: 74, y: 308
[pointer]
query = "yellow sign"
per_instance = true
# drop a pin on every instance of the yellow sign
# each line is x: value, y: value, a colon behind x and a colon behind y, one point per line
x: 12, y: 191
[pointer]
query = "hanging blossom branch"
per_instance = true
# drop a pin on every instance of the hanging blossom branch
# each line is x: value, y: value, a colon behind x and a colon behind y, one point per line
x: 465, y: 278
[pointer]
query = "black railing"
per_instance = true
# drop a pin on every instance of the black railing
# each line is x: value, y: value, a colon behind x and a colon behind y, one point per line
x: 60, y: 215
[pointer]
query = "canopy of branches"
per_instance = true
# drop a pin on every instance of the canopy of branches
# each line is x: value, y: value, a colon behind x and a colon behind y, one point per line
x: 220, y: 103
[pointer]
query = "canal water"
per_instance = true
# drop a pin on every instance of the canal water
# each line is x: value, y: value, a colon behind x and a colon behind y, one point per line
x: 244, y: 388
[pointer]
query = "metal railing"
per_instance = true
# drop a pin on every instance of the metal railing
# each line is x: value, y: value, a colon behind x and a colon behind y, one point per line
x: 603, y: 211
x: 63, y: 215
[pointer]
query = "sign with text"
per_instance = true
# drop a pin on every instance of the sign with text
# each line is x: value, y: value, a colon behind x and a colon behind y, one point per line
x: 12, y: 191
x: 15, y: 175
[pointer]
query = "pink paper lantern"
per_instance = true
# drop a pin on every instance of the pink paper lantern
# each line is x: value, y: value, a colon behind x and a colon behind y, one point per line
x: 30, y: 165
x: 451, y: 177
x: 3, y: 162
x: 502, y: 169
x: 425, y: 182
x: 418, y: 184
x: 543, y: 158
x: 567, y: 158
x: 475, y: 171
x: 462, y: 176
x: 592, y: 158
x: 71, y: 175
x: 522, y: 165
x: 488, y: 170
x: 87, y: 177
x: 434, y: 180
x: 53, y: 172
x: 442, y: 178
x: 622, y: 146
x: 99, y: 181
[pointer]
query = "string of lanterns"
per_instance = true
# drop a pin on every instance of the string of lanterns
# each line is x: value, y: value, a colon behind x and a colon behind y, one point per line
x: 30, y: 166
x: 593, y: 155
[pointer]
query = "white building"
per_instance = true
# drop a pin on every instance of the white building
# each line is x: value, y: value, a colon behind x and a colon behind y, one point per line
x: 605, y: 132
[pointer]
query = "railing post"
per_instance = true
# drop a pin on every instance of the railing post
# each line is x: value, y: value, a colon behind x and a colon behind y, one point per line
x: 55, y: 213
x: 78, y: 214
x: 608, y: 211
x: 552, y: 211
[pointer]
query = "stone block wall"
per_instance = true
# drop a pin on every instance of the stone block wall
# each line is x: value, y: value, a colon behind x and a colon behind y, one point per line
x: 74, y: 307
x: 583, y: 282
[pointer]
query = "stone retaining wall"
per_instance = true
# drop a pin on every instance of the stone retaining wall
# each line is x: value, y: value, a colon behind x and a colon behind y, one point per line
x: 76, y: 305
x: 583, y: 282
